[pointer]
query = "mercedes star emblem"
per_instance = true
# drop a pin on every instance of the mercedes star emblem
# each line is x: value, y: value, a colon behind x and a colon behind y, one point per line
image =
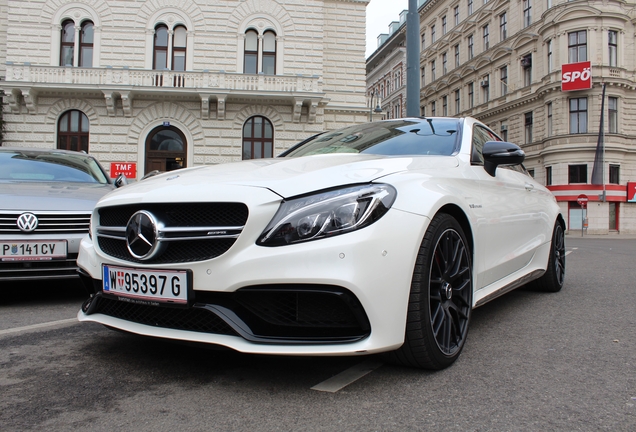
x: 27, y: 222
x: 142, y: 235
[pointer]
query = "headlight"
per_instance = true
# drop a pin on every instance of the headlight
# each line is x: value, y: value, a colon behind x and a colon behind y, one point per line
x: 328, y: 213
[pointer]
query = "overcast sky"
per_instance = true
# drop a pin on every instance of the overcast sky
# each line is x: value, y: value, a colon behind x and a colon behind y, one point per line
x: 380, y: 13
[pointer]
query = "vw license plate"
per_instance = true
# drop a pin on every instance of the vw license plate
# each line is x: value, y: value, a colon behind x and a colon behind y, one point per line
x: 165, y: 286
x: 32, y: 250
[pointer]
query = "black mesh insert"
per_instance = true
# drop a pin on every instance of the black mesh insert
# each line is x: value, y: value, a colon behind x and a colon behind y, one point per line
x: 179, y: 214
x: 191, y: 319
x: 176, y: 251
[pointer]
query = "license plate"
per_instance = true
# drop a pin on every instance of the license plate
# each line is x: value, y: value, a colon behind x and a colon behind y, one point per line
x: 32, y: 250
x: 166, y: 286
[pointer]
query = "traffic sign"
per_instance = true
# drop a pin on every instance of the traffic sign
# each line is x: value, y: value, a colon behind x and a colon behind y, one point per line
x: 582, y: 200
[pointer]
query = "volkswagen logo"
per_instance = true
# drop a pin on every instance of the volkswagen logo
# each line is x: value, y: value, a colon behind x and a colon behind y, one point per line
x: 142, y: 235
x: 27, y: 222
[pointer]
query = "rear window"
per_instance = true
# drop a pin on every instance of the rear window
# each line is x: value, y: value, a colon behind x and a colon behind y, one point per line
x: 50, y: 167
x: 436, y: 136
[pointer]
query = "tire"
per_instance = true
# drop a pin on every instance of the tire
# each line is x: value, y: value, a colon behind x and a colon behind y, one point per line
x: 554, y: 276
x: 440, y: 300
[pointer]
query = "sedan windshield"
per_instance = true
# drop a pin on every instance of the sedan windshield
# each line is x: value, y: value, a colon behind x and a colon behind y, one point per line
x: 48, y: 167
x: 436, y: 136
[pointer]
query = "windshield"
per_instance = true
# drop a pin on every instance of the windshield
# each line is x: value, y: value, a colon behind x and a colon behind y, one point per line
x: 437, y: 136
x: 50, y: 167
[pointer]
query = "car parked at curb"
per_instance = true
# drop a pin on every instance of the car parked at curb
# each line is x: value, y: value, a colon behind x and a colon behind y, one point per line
x: 46, y: 199
x: 376, y: 238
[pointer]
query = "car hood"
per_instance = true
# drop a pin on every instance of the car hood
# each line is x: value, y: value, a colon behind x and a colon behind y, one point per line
x: 287, y: 177
x: 63, y: 196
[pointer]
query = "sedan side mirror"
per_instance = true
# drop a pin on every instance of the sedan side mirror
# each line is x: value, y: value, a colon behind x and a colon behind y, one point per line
x: 121, y: 180
x: 501, y: 153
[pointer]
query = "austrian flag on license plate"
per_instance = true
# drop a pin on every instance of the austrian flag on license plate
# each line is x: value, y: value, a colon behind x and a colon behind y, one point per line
x: 146, y: 285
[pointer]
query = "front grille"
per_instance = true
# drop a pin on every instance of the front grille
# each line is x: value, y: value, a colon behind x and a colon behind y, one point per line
x: 26, y: 270
x: 205, y: 230
x: 48, y: 223
x: 190, y: 319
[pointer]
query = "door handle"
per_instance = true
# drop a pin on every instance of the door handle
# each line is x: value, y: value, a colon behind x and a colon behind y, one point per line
x: 529, y: 187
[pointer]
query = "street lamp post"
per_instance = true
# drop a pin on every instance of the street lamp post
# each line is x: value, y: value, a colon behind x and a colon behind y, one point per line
x: 377, y: 109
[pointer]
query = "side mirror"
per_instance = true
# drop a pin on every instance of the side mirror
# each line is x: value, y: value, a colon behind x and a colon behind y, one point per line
x: 501, y: 153
x: 120, y: 181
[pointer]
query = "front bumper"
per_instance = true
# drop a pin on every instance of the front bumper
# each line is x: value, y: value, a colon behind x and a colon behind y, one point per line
x: 342, y: 295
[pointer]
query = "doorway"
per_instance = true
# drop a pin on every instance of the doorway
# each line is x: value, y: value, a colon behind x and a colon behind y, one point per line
x: 166, y: 149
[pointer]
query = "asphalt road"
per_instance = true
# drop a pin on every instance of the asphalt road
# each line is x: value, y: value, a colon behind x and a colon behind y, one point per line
x: 533, y: 362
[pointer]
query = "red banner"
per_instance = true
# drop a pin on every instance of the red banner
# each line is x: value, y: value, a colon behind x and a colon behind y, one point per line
x: 631, y: 192
x: 576, y: 76
x: 129, y: 169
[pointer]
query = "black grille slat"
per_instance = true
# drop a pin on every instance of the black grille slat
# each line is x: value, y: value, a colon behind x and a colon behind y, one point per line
x: 190, y: 319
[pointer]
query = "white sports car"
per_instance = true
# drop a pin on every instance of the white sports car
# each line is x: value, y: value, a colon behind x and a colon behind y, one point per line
x: 376, y: 238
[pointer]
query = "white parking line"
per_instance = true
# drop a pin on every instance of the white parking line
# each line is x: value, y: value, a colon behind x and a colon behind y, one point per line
x: 348, y: 376
x: 60, y: 323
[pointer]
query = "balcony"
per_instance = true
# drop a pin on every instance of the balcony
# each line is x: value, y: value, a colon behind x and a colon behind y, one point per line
x: 26, y: 82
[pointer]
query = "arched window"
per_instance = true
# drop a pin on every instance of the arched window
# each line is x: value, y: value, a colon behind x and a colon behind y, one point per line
x: 263, y: 49
x: 160, y: 49
x: 86, y: 44
x: 72, y: 131
x: 67, y: 48
x: 269, y: 53
x: 258, y: 138
x: 250, y: 65
x: 179, y: 48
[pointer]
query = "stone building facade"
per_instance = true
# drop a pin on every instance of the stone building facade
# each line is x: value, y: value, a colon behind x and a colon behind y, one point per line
x: 163, y: 84
x: 502, y: 61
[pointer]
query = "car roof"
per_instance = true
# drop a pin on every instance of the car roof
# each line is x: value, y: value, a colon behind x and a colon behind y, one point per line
x: 40, y: 150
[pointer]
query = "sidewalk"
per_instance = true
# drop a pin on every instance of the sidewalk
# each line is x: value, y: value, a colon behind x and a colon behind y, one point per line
x: 613, y: 235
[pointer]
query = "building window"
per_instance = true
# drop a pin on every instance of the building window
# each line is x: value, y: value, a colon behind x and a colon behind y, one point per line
x: 160, y: 58
x: 527, y: 13
x: 67, y: 48
x: 266, y: 47
x: 86, y: 44
x: 503, y: 26
x: 433, y: 113
x: 445, y: 106
x: 471, y: 47
x: 612, y: 111
x: 433, y: 70
x: 179, y: 39
x: 457, y: 102
x: 549, y: 49
x: 423, y: 41
x: 531, y: 172
x: 548, y: 176
x: 471, y: 95
x: 258, y: 138
x: 549, y: 111
x: 528, y: 127
x: 457, y: 55
x: 470, y: 7
x: 72, y: 131
x: 485, y: 88
x: 432, y: 34
x: 423, y: 110
x: 456, y: 15
x: 422, y: 77
x: 577, y: 46
x: 398, y: 79
x: 504, y: 131
x: 526, y: 64
x: 444, y: 25
x: 444, y: 63
x: 577, y: 174
x: 504, y: 80
x: 578, y: 115
x: 614, y: 174
x: 486, y: 37
x: 613, y: 47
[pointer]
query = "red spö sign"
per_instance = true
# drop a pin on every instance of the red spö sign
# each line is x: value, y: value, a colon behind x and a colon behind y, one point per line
x: 576, y: 76
x: 129, y: 169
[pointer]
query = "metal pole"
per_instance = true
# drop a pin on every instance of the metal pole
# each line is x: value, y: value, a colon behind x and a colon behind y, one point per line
x: 412, y: 61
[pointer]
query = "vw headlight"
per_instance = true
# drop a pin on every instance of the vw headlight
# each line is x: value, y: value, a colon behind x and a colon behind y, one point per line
x: 328, y: 213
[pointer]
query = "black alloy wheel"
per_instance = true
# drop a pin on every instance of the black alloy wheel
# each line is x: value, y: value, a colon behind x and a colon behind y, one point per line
x: 440, y: 303
x: 554, y: 276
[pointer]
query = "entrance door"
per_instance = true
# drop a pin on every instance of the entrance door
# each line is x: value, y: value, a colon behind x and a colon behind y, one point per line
x: 165, y: 149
